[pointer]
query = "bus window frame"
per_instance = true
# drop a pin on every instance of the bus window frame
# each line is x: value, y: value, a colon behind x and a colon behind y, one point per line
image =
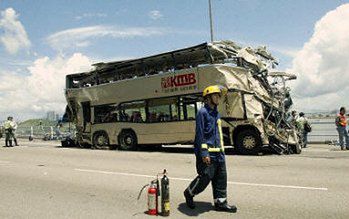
x: 146, y: 121
x: 115, y: 105
x: 184, y: 106
x: 120, y: 109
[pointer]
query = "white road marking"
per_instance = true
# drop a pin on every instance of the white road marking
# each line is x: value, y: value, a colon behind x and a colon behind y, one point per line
x: 5, y: 163
x: 185, y: 179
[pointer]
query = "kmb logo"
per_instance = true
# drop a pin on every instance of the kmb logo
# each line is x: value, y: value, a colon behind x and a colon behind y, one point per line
x: 178, y: 80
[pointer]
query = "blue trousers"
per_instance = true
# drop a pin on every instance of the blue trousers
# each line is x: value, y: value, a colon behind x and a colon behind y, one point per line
x: 342, y: 131
x: 215, y: 173
x: 305, y: 138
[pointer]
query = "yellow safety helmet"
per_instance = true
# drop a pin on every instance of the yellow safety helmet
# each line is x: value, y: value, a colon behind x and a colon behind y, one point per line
x: 214, y: 89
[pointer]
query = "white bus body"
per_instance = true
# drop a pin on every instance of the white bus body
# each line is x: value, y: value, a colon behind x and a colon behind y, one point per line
x: 160, y: 108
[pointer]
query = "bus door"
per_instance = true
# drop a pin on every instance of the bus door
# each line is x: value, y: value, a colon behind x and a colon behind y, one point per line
x: 86, y: 111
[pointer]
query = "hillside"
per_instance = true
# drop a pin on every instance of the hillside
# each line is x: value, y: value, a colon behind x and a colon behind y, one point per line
x: 36, y: 122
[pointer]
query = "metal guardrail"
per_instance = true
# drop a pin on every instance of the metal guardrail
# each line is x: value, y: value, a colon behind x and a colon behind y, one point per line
x: 322, y: 131
x: 44, y: 132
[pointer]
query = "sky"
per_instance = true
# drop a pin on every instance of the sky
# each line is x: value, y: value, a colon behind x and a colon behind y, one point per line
x: 41, y: 41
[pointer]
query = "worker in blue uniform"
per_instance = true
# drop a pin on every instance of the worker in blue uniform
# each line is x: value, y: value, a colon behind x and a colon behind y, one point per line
x: 209, y: 152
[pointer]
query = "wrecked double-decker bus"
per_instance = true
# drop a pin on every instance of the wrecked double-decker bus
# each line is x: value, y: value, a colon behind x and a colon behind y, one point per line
x: 154, y: 100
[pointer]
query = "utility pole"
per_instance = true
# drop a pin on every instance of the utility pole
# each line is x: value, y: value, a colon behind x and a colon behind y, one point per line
x: 211, y: 22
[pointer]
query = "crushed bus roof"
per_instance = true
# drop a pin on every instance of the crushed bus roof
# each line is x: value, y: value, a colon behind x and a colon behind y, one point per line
x: 217, y: 52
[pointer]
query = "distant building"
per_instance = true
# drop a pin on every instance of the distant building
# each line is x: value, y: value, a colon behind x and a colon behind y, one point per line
x: 52, y: 116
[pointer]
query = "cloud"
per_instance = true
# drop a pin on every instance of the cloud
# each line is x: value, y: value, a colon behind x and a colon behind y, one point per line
x: 10, y: 82
x: 322, y: 103
x: 14, y: 36
x: 79, y: 37
x: 42, y: 89
x: 90, y: 15
x: 155, y: 15
x: 322, y: 64
x: 325, y: 55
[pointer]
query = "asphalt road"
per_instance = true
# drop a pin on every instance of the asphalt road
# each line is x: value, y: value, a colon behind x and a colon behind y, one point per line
x: 43, y: 180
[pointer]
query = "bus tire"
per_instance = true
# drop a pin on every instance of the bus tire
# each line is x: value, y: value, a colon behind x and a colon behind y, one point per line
x: 100, y: 139
x: 296, y: 148
x: 68, y: 143
x: 248, y: 142
x: 127, y: 140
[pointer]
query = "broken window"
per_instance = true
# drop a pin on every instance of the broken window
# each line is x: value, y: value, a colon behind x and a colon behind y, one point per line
x: 105, y: 113
x: 190, y: 104
x: 163, y: 110
x: 132, y: 112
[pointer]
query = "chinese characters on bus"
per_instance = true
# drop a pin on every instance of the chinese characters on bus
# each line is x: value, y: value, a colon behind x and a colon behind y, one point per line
x: 180, y: 82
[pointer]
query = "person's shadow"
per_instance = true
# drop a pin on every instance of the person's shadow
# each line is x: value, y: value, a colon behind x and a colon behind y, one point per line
x: 200, y: 208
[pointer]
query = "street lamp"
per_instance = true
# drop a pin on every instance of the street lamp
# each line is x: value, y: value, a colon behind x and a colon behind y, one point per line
x: 211, y: 22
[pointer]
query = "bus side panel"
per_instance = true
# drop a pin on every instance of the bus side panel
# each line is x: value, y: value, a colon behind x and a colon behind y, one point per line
x: 151, y: 133
x: 232, y: 106
x: 254, y: 108
x: 167, y: 132
x: 254, y: 113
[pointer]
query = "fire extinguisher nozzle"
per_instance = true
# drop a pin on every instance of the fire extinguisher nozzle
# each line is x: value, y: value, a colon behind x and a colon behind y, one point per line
x: 140, y: 192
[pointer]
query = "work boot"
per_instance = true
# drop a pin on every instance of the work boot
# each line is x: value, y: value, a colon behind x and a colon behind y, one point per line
x: 10, y: 143
x: 223, y: 206
x: 6, y: 143
x: 15, y: 140
x: 189, y: 199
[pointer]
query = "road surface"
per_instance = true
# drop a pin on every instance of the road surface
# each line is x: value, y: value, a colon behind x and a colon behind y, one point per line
x: 42, y: 180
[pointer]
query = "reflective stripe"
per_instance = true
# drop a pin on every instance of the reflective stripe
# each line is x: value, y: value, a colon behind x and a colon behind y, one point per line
x: 220, y: 200
x: 191, y: 190
x: 214, y: 150
x: 219, y: 123
x: 204, y: 146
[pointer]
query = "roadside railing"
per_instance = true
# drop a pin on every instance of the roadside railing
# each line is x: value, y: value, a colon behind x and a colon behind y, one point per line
x: 323, y: 131
x: 44, y: 132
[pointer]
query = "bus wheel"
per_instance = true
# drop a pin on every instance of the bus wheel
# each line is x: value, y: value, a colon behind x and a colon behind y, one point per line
x: 100, y: 139
x: 296, y: 148
x: 127, y: 140
x: 248, y: 142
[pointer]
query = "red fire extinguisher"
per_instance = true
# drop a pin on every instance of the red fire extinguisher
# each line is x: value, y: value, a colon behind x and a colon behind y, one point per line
x: 153, y: 192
